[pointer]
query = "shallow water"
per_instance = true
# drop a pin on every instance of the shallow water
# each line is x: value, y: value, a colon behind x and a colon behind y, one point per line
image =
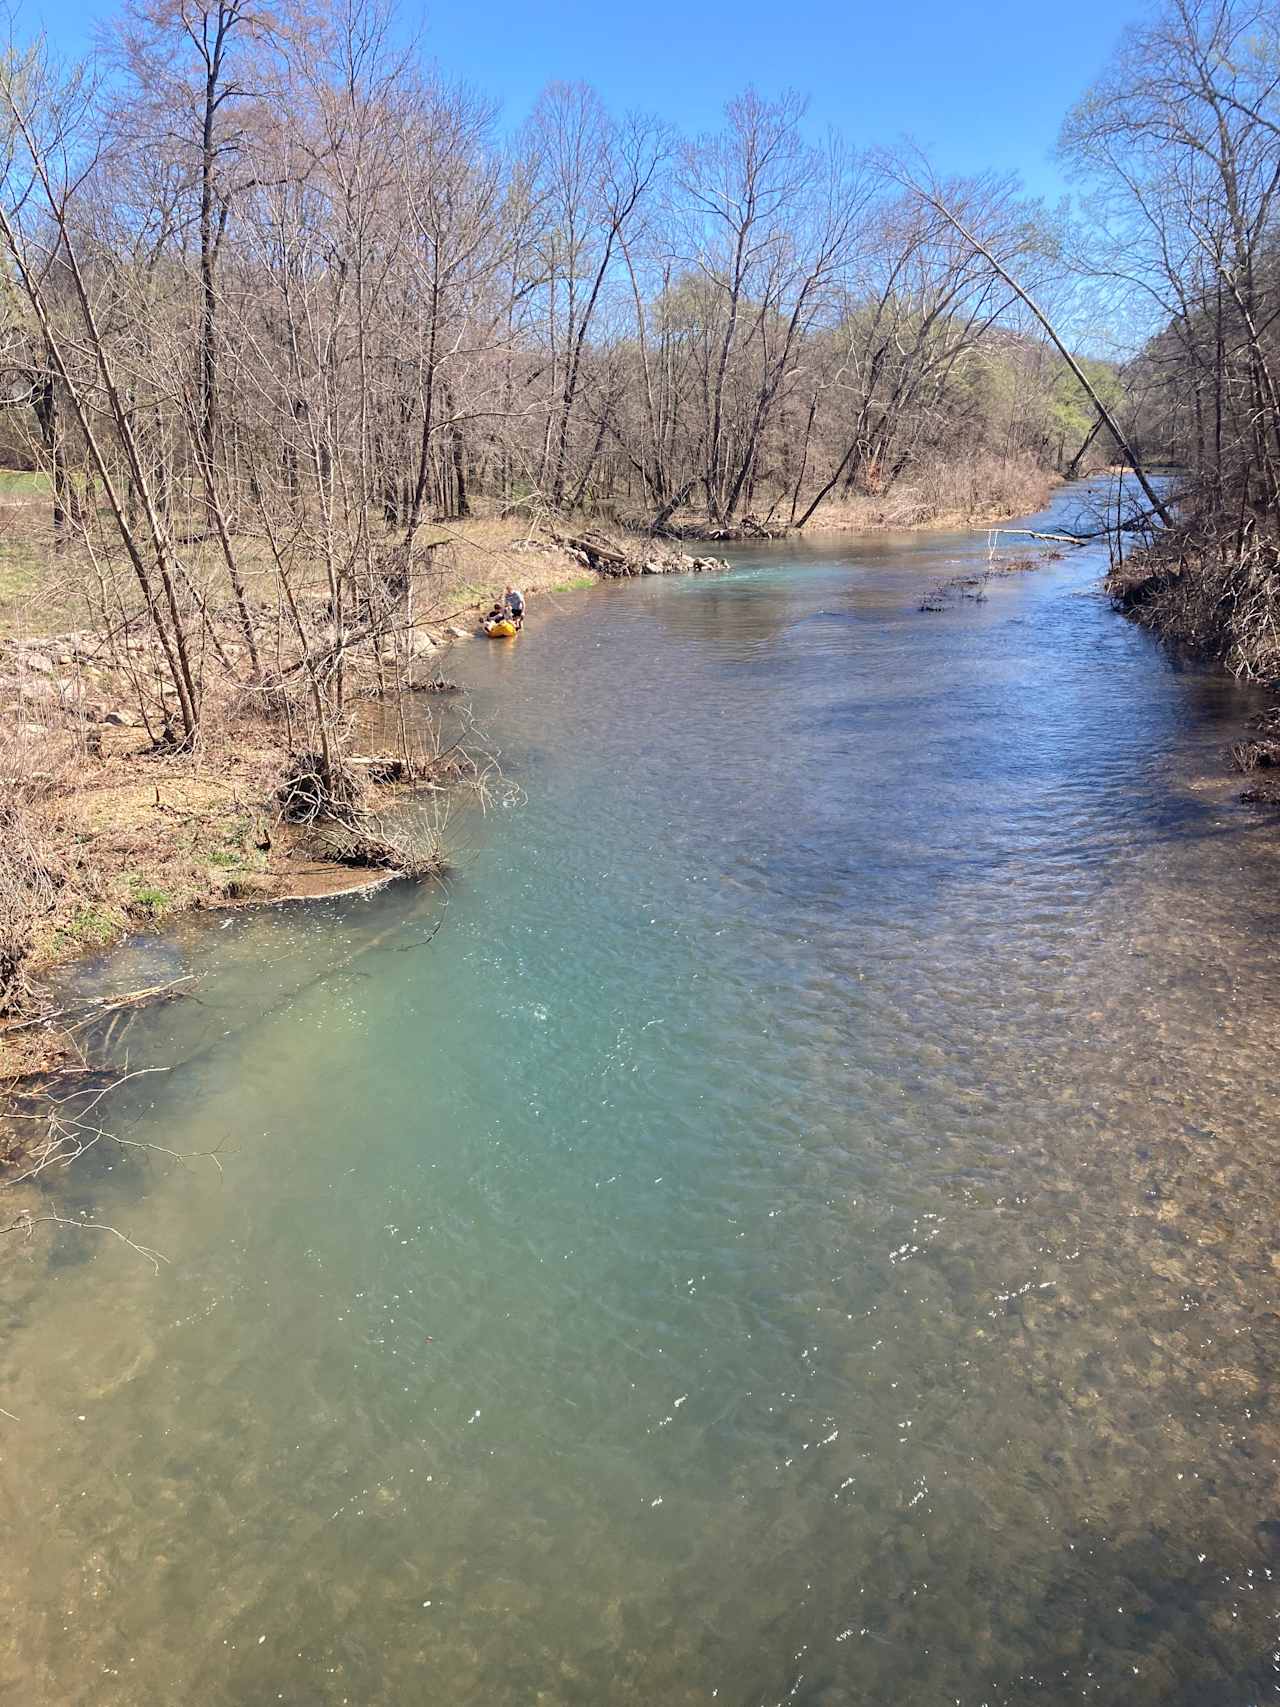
x: 803, y: 1229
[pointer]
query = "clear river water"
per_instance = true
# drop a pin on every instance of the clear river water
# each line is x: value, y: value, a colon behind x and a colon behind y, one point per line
x: 802, y: 1230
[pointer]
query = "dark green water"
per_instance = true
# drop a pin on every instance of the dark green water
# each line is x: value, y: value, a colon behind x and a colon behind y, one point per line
x: 804, y: 1229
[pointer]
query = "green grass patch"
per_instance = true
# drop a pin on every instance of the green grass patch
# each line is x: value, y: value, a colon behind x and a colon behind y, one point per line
x: 91, y: 927
x: 143, y: 898
x: 234, y: 852
x: 37, y: 592
x: 577, y: 584
x: 23, y: 568
x: 24, y: 483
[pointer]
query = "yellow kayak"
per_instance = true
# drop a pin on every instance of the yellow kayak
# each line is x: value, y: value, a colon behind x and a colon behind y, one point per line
x: 502, y: 630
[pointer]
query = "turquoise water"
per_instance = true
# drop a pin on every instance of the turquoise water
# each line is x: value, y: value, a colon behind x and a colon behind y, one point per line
x: 803, y: 1229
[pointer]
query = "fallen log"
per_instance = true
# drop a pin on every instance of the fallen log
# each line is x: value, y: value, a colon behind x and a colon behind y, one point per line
x: 1052, y: 538
x: 607, y: 557
x: 99, y: 1006
x: 596, y: 551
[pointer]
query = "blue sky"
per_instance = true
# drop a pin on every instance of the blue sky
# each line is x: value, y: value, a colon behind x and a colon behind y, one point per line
x: 976, y: 84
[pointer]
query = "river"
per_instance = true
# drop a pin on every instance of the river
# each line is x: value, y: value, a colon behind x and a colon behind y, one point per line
x: 802, y: 1229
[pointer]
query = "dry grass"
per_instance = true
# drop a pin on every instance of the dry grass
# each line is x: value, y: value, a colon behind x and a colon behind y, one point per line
x: 120, y: 835
x: 474, y: 559
x: 461, y: 565
x: 137, y: 835
x: 935, y: 494
x: 121, y: 841
x: 954, y: 494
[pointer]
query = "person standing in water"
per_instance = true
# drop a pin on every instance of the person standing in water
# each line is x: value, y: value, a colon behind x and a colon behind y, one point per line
x: 514, y: 602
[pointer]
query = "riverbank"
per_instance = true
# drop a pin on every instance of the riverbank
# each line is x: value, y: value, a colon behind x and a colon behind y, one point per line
x: 1208, y: 594
x: 123, y: 835
x: 972, y: 493
x: 1210, y: 597
x: 109, y: 831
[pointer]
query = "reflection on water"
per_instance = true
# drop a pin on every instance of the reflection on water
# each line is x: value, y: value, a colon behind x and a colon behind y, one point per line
x: 803, y: 1229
